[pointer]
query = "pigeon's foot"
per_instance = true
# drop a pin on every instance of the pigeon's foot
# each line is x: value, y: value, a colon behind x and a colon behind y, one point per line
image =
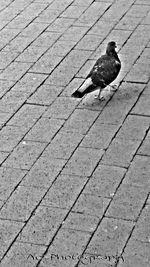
x: 100, y: 98
x: 114, y: 87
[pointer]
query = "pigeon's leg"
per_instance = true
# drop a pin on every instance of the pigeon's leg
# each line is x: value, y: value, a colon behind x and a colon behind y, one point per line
x: 99, y: 97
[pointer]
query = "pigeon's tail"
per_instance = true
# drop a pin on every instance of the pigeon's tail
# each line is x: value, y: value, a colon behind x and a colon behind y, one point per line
x: 85, y: 88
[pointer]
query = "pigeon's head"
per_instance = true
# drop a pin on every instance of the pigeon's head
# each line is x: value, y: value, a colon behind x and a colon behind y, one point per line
x: 111, y: 47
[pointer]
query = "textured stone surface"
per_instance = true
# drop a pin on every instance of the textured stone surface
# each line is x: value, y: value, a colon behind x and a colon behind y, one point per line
x: 44, y: 130
x: 64, y: 191
x: 127, y: 202
x: 43, y: 225
x: 83, y: 161
x: 9, y: 179
x: 74, y: 173
x: 67, y: 243
x: 110, y: 237
x: 105, y: 181
x: 24, y: 155
x: 21, y: 203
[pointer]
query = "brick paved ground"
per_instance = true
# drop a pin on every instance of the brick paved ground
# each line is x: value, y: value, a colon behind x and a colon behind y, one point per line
x: 74, y: 175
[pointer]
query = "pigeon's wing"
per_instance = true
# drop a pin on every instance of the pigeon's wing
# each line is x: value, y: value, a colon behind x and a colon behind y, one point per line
x: 96, y: 65
x: 105, y: 70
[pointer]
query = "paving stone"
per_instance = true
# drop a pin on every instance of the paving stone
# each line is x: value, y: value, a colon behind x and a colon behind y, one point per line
x: 24, y: 255
x: 48, y: 16
x: 60, y: 25
x: 134, y: 128
x: 79, y: 122
x: 62, y: 75
x: 120, y: 152
x: 43, y: 172
x: 102, y: 28
x: 127, y: 202
x: 82, y: 3
x: 136, y: 254
x: 61, y: 108
x: 7, y: 35
x: 144, y: 57
x: 24, y: 155
x: 135, y: 11
x: 42, y: 226
x: 9, y: 231
x: 138, y: 173
x: 120, y: 37
x: 4, y: 117
x: 110, y: 237
x: 29, y: 82
x: 46, y: 63
x: 147, y: 89
x: 142, y: 106
x: 46, y: 39
x: 44, y: 130
x: 68, y: 245
x: 27, y: 116
x: 15, y: 71
x: 72, y: 86
x: 61, y: 48
x: 87, y: 18
x: 20, y: 5
x: 33, y: 10
x: 63, y: 145
x: 74, y: 33
x: 21, y: 203
x: 19, y: 22
x: 123, y: 101
x: 128, y: 23
x: 142, y: 228
x: 33, y: 29
x: 8, y: 14
x: 98, y: 260
x: 99, y: 136
x: 105, y: 181
x: 45, y: 94
x: 57, y: 5
x: 7, y: 58
x: 31, y: 54
x: 73, y: 11
x: 89, y: 102
x: 83, y: 161
x: 13, y: 100
x: 139, y: 73
x: 88, y: 42
x: 91, y: 205
x: 62, y: 30
x: 146, y: 19
x: 145, y: 148
x: 76, y: 58
x: 9, y: 137
x: 18, y: 44
x: 64, y: 191
x: 122, y: 8
x: 9, y: 179
x: 140, y: 2
x: 5, y: 86
x: 1, y: 203
x: 3, y: 156
x: 81, y: 222
x: 85, y: 69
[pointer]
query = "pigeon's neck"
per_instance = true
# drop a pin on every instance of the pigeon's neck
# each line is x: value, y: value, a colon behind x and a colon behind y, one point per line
x: 112, y: 53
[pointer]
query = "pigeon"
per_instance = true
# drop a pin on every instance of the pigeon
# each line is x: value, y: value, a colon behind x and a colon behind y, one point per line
x: 103, y: 73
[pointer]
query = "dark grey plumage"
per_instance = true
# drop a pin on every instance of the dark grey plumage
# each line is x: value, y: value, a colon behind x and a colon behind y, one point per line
x: 103, y: 73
